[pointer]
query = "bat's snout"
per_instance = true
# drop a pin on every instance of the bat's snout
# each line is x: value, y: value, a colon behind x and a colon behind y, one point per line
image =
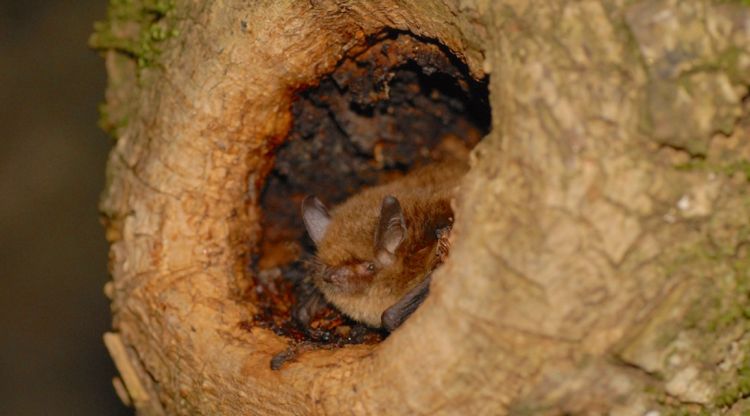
x: 338, y: 276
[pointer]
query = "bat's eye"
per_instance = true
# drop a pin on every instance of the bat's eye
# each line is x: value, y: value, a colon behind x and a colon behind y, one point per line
x: 366, y: 269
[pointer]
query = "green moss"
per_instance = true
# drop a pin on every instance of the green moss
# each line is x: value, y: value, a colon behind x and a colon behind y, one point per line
x: 736, y: 308
x: 739, y: 310
x: 742, y: 2
x: 717, y: 309
x: 135, y: 28
x: 729, y: 169
x: 673, y: 409
x: 108, y: 123
x: 723, y: 308
x: 739, y: 390
x: 729, y: 61
x: 727, y: 318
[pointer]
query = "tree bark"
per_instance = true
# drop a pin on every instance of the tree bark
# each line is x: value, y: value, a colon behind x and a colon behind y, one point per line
x: 600, y: 250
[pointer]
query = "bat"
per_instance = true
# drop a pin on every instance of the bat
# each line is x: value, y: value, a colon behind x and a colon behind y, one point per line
x: 376, y: 251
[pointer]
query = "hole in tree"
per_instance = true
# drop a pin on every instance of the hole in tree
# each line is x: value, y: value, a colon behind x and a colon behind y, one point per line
x: 396, y: 103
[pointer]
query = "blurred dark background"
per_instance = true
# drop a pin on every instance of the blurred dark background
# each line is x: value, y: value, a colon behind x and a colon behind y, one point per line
x: 52, y: 250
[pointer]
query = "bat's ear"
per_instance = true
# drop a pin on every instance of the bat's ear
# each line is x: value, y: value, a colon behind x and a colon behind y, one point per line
x: 316, y: 218
x: 391, y: 231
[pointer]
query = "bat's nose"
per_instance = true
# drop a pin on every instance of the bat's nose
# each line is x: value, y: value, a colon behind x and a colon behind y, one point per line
x: 338, y: 276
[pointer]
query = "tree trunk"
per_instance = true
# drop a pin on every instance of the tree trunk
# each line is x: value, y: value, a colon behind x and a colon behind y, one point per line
x: 600, y: 257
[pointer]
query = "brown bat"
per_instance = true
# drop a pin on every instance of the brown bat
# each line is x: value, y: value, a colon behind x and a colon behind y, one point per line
x: 377, y: 250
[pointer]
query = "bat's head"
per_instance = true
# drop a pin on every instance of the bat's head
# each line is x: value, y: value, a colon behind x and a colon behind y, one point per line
x: 350, y: 255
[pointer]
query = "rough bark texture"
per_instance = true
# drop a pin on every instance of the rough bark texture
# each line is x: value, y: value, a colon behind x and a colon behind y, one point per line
x: 600, y: 253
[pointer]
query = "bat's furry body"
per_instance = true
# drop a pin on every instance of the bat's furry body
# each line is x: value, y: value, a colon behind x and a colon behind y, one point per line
x: 374, y: 249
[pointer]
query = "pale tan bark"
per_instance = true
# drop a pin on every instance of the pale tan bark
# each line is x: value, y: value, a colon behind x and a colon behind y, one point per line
x: 579, y: 249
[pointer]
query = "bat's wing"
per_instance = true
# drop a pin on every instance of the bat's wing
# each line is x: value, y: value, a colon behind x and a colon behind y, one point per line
x: 397, y: 313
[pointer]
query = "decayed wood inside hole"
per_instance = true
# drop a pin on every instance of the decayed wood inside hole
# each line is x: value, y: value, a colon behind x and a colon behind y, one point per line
x: 396, y: 103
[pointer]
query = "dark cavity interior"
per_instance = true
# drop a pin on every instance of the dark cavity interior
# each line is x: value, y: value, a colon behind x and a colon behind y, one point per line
x: 396, y: 103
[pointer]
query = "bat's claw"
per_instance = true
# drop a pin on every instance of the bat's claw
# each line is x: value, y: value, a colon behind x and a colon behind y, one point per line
x: 443, y: 243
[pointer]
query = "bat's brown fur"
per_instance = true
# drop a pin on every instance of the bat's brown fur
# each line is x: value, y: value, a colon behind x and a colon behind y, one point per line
x: 425, y: 198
